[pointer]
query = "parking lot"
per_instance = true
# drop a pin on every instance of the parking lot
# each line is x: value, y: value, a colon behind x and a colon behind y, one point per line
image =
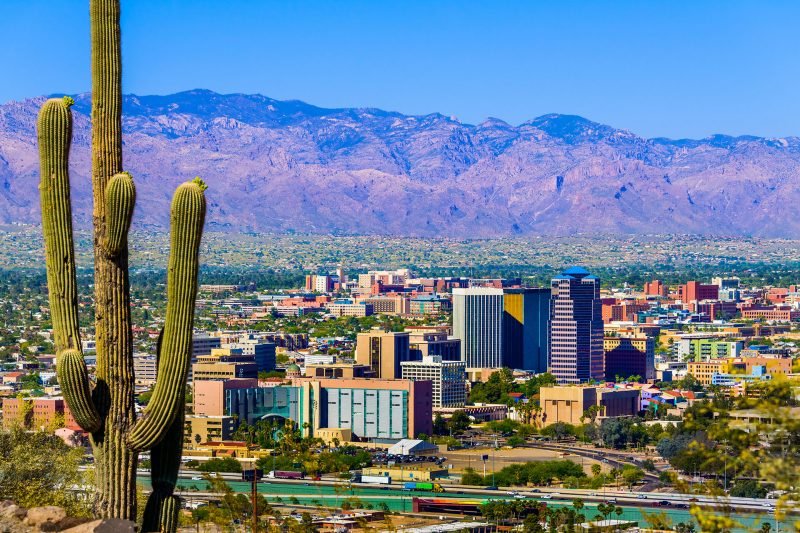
x: 497, y: 459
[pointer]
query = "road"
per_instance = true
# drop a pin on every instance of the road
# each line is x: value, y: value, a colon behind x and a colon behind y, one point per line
x: 330, y: 493
x: 612, y: 458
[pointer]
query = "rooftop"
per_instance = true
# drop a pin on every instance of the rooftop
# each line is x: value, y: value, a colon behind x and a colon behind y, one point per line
x: 453, y: 526
x: 576, y: 272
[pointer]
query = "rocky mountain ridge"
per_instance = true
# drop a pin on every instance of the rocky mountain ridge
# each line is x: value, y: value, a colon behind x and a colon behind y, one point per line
x: 278, y: 166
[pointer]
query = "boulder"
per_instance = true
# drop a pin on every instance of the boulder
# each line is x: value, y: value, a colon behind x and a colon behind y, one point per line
x: 47, y: 518
x: 9, y: 509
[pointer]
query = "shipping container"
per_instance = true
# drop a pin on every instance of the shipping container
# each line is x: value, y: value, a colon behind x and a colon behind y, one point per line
x: 285, y: 474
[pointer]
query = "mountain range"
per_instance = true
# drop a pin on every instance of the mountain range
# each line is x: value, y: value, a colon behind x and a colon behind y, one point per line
x: 283, y: 166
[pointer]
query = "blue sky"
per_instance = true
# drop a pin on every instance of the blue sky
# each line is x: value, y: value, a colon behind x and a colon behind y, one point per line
x: 658, y: 68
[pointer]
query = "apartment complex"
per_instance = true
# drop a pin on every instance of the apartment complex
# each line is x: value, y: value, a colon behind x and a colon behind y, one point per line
x: 724, y: 371
x: 37, y: 413
x: 199, y: 429
x: 772, y: 314
x: 702, y: 347
x: 704, y: 371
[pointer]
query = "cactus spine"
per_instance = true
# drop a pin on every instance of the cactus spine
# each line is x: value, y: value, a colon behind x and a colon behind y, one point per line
x: 106, y: 408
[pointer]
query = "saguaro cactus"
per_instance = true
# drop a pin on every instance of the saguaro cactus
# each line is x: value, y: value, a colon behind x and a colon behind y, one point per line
x: 105, y: 407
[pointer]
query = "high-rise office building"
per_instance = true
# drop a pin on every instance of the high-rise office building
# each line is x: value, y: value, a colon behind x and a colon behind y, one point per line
x: 263, y: 352
x: 449, y: 379
x: 525, y: 328
x: 629, y: 355
x: 202, y: 344
x: 576, y: 328
x: 478, y: 323
x: 426, y: 343
x: 383, y: 351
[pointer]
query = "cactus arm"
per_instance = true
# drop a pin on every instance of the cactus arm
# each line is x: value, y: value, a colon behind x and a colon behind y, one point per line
x: 165, y: 461
x: 120, y: 200
x: 54, y: 136
x: 187, y: 218
x: 170, y: 510
x: 74, y: 381
x: 160, y: 512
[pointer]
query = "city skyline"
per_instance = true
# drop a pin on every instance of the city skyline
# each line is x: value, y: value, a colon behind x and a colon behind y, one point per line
x: 399, y: 319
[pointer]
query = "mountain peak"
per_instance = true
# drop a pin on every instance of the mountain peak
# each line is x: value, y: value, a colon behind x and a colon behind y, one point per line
x: 286, y: 165
x: 574, y: 129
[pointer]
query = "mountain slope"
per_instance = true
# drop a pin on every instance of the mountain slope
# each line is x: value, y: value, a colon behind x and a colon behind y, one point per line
x: 289, y: 166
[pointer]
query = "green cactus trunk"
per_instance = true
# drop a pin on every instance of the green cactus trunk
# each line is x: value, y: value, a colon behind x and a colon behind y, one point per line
x: 115, y: 463
x: 105, y: 408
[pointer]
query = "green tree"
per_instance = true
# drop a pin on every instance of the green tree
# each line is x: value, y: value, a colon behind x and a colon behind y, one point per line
x: 559, y: 430
x: 632, y: 475
x: 38, y: 469
x: 620, y: 432
x: 459, y: 421
x: 224, y: 464
x: 658, y: 520
x: 748, y: 488
x: 471, y: 477
x: 439, y: 425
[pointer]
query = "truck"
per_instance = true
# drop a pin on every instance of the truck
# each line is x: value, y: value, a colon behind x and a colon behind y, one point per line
x: 252, y: 474
x: 285, y: 474
x: 374, y: 480
x: 416, y: 485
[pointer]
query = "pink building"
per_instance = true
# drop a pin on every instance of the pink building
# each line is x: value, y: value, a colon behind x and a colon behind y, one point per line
x: 209, y: 396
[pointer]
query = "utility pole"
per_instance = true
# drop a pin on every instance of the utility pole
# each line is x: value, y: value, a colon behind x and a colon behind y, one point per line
x: 725, y: 473
x: 493, y: 451
x: 255, y: 501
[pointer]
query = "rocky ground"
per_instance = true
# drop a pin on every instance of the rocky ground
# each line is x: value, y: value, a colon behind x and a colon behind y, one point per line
x: 15, y: 519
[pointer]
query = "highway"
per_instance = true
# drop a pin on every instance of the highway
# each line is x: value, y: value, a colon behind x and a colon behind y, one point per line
x: 610, y: 457
x: 639, y: 498
x: 331, y: 492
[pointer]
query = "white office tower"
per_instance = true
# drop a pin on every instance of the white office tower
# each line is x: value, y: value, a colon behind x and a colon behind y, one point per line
x: 449, y: 379
x: 478, y: 322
